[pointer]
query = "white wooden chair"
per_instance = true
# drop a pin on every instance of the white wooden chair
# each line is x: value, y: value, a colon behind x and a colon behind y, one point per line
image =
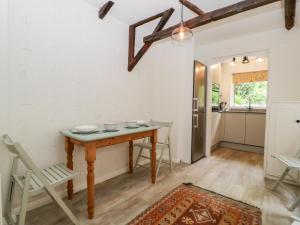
x: 295, y: 220
x: 159, y: 146
x: 291, y: 163
x: 34, y: 182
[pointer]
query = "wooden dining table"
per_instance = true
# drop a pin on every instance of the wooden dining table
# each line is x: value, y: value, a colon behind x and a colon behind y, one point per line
x: 94, y: 141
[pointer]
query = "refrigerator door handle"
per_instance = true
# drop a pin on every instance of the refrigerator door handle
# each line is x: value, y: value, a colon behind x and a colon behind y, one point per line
x: 195, y: 104
x: 195, y: 118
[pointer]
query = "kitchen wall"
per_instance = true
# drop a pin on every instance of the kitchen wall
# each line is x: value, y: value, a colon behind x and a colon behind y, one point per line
x: 67, y: 67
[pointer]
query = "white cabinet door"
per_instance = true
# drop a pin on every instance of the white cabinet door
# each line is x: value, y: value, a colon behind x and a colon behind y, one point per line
x: 255, y: 129
x: 216, y: 128
x: 284, y: 135
x: 234, y: 127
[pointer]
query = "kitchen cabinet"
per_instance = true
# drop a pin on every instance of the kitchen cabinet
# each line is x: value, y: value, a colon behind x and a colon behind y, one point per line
x: 283, y: 136
x: 255, y: 129
x: 216, y: 128
x: 234, y: 127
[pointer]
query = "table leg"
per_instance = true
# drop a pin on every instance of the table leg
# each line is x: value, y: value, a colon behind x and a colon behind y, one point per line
x: 153, y: 156
x: 69, y: 147
x: 130, y: 156
x: 90, y: 157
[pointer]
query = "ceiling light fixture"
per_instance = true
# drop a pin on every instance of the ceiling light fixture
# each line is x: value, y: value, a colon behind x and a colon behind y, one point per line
x: 182, y: 33
x: 245, y: 60
x: 233, y: 63
x: 260, y: 60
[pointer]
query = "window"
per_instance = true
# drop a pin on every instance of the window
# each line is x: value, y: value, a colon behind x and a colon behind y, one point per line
x: 253, y: 92
x: 250, y: 87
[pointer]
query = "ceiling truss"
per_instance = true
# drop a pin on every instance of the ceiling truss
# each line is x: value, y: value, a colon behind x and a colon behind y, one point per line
x: 134, y: 59
x: 200, y: 20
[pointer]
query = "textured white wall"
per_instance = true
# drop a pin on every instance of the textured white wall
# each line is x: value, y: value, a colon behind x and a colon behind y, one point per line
x: 172, y: 72
x: 67, y: 67
x: 3, y: 89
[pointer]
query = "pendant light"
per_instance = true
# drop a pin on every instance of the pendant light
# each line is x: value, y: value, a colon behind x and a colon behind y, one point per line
x: 233, y: 62
x: 182, y: 33
x: 245, y: 60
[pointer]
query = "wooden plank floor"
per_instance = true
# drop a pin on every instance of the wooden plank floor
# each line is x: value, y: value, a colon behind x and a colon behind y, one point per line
x: 236, y: 174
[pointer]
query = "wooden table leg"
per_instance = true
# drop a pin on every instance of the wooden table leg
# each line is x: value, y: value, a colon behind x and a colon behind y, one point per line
x: 69, y: 147
x: 90, y: 157
x: 153, y: 156
x: 130, y: 156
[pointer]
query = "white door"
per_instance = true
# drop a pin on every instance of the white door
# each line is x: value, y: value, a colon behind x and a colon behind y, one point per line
x: 284, y: 135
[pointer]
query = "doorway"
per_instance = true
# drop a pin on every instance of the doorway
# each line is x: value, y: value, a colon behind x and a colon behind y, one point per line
x: 238, y: 102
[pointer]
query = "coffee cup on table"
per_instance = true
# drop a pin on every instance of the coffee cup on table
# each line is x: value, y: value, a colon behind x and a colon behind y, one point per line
x: 131, y: 124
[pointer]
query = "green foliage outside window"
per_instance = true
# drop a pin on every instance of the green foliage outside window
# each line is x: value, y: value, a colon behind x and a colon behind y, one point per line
x: 254, y: 92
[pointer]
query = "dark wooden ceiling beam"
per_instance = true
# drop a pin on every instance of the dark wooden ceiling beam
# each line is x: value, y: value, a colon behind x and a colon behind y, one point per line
x: 105, y: 9
x: 192, y: 7
x: 134, y: 59
x: 210, y: 17
x: 290, y: 12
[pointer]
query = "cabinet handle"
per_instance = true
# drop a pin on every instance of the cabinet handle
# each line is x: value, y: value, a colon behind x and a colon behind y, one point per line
x: 297, y: 121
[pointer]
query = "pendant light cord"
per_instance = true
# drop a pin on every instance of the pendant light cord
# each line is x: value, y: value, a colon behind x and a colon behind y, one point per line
x: 181, y: 13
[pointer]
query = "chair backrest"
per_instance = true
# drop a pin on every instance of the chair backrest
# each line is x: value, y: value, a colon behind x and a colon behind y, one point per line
x: 166, y: 125
x: 17, y: 149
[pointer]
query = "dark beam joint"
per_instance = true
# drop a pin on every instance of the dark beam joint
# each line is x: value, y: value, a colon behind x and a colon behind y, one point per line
x: 134, y: 59
x: 105, y: 9
x: 192, y: 7
x: 210, y: 17
x: 290, y: 12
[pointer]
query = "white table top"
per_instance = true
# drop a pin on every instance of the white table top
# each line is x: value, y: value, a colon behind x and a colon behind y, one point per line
x: 103, y: 134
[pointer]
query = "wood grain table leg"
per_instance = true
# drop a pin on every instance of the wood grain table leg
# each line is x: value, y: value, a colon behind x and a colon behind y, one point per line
x: 130, y: 156
x: 69, y: 147
x: 153, y: 156
x: 90, y: 157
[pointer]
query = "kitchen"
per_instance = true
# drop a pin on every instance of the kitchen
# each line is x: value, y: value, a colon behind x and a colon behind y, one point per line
x: 239, y: 99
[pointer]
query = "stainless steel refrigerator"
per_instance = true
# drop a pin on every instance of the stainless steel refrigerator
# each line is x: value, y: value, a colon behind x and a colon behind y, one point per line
x: 199, y: 111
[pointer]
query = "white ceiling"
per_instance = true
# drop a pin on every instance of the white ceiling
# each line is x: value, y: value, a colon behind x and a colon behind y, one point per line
x: 257, y: 20
x: 131, y: 11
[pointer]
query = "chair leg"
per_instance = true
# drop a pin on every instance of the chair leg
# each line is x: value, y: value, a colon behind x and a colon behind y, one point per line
x: 24, y: 201
x: 287, y: 170
x: 295, y: 204
x: 170, y: 158
x: 159, y: 161
x: 8, y: 212
x: 138, y: 159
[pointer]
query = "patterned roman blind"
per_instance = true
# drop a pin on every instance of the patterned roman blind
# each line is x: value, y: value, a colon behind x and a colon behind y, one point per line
x: 248, y: 77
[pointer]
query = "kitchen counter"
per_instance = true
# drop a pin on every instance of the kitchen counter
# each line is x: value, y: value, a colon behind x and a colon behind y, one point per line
x: 245, y: 111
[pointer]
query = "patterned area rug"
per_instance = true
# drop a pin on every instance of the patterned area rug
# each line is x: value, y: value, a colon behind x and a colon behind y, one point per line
x: 191, y: 205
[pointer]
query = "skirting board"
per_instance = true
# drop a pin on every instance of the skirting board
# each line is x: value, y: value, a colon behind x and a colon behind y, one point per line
x: 241, y: 147
x: 46, y: 199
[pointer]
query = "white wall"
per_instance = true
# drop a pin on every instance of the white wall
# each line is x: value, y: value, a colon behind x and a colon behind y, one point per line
x: 172, y: 72
x: 67, y: 67
x: 283, y: 50
x: 3, y: 86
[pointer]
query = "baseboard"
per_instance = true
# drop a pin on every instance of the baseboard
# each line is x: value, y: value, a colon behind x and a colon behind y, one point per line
x: 288, y: 181
x: 241, y: 147
x: 46, y: 199
x: 215, y: 146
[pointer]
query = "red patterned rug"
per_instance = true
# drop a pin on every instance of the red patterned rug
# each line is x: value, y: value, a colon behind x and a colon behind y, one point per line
x: 191, y: 205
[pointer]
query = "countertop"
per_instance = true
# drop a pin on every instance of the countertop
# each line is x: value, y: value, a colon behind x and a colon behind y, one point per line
x: 254, y: 111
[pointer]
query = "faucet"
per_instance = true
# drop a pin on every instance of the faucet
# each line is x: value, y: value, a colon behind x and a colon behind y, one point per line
x: 249, y: 107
